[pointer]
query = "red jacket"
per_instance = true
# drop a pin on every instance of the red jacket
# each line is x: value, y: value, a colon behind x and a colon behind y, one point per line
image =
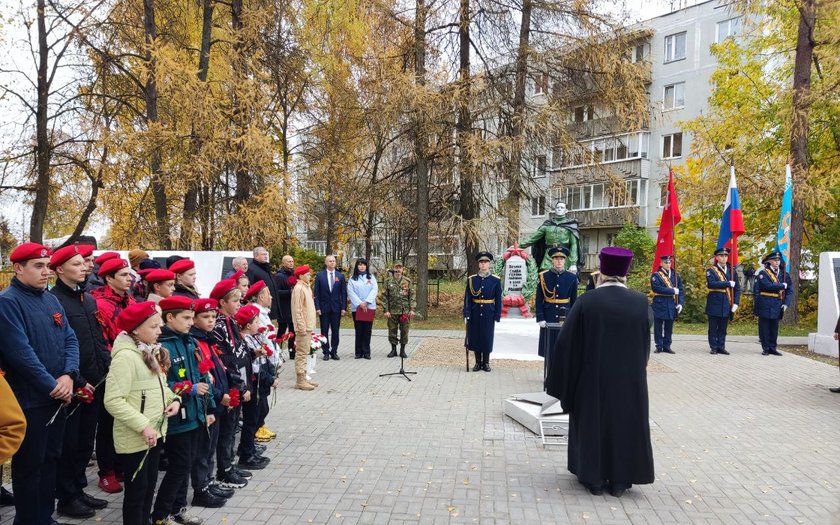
x: 110, y: 305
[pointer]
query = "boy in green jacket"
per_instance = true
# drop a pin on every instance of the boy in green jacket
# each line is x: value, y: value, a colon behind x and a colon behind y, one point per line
x: 185, y: 378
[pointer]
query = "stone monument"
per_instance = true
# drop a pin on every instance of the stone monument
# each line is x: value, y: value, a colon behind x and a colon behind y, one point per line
x: 556, y: 231
x: 519, y: 282
x: 828, y: 305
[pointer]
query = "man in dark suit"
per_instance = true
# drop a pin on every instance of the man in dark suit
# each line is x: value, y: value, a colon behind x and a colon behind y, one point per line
x: 260, y: 270
x: 330, y: 304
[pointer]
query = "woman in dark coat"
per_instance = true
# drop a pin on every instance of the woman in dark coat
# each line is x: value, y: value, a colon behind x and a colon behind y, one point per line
x: 599, y: 375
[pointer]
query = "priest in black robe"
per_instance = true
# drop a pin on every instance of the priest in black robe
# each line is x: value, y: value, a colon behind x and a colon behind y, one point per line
x: 599, y: 374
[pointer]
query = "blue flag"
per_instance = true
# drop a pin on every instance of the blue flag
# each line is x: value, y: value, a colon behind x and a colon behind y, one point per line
x: 783, y: 235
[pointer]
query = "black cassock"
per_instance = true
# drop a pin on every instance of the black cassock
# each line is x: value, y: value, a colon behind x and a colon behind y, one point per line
x: 599, y: 373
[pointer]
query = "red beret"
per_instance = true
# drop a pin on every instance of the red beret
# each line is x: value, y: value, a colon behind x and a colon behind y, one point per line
x: 246, y: 314
x: 157, y: 275
x: 136, y: 314
x: 206, y: 305
x: 237, y: 275
x: 255, y: 289
x: 146, y: 271
x: 176, y: 302
x: 62, y: 255
x: 223, y: 288
x: 85, y: 250
x: 181, y: 266
x: 107, y: 256
x: 300, y: 270
x: 112, y: 266
x: 27, y: 251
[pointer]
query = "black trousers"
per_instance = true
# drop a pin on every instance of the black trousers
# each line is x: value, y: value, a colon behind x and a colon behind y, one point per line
x: 227, y: 435
x: 79, y: 435
x: 329, y: 325
x: 662, y: 330
x: 180, y: 453
x: 717, y: 332
x: 106, y: 458
x: 768, y: 333
x: 263, y: 402
x: 250, y: 418
x: 34, y: 466
x: 364, y: 330
x: 139, y: 492
x: 205, y: 457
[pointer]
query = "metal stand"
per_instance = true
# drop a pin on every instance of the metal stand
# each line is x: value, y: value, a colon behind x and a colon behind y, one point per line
x: 402, y: 371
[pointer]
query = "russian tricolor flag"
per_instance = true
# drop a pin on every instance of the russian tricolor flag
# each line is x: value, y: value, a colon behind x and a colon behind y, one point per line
x: 732, y: 223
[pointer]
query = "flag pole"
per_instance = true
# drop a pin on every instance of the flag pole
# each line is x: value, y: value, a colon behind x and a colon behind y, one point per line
x: 673, y: 230
x: 734, y: 247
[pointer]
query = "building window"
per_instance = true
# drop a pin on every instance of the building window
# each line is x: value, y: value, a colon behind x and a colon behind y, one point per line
x: 604, y: 195
x: 584, y: 113
x: 638, y: 53
x: 672, y: 146
x: 675, y: 47
x: 540, y: 166
x: 626, y: 146
x: 674, y: 96
x: 537, y: 206
x: 728, y: 28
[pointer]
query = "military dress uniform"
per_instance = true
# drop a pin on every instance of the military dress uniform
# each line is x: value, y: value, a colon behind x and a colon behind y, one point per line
x: 556, y: 293
x: 668, y: 301
x: 773, y: 294
x: 723, y: 293
x: 482, y: 309
x: 398, y: 299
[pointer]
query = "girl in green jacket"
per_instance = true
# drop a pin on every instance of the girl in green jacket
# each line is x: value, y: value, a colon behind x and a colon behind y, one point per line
x: 138, y: 397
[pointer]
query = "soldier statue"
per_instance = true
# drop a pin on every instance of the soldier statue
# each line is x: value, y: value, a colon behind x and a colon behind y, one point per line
x: 555, y: 232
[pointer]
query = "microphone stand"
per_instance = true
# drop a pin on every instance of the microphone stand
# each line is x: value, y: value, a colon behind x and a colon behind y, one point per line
x: 402, y: 371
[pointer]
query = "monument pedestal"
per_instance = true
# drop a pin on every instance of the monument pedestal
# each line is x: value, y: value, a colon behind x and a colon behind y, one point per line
x: 541, y: 414
x: 828, y: 306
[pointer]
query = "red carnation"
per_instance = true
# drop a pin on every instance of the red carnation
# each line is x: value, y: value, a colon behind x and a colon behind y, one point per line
x: 292, y: 281
x: 205, y: 366
x: 261, y: 329
x: 183, y: 387
x: 234, y: 397
x: 83, y: 395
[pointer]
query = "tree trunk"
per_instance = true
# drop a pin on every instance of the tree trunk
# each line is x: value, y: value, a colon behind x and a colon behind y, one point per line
x: 518, y: 124
x: 43, y: 149
x: 469, y: 204
x: 243, y: 182
x: 421, y: 162
x: 799, y: 143
x: 155, y: 162
x: 194, y: 184
x: 371, y: 214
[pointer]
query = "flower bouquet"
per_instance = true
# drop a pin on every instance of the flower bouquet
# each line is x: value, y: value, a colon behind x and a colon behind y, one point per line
x: 316, y: 345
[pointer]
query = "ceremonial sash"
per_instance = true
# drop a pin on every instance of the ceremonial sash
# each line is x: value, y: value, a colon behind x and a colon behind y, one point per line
x: 730, y: 293
x: 775, y: 280
x: 667, y: 285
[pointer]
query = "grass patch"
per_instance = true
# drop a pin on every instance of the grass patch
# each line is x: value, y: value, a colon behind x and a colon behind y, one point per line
x: 802, y: 350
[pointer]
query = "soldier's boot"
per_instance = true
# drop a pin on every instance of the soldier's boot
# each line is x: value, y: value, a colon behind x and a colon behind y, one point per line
x: 402, y: 350
x: 478, y: 364
x: 300, y: 372
x: 301, y: 383
x: 486, y: 365
x: 393, y: 351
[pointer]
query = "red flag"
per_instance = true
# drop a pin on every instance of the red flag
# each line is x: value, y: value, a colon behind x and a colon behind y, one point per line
x: 670, y: 218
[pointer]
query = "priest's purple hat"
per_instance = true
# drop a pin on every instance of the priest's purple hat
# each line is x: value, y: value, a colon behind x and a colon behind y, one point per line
x: 615, y: 261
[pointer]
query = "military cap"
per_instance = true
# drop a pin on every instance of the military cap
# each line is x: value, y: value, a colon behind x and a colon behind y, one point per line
x: 722, y: 251
x: 484, y: 256
x: 770, y: 256
x: 29, y: 250
x: 560, y: 251
x: 666, y: 258
x: 112, y: 266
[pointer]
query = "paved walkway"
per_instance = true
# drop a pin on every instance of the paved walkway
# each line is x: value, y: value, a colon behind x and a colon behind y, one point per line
x: 737, y: 439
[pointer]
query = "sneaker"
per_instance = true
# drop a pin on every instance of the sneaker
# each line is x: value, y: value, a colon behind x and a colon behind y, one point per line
x: 207, y: 499
x: 108, y: 483
x: 185, y: 518
x: 164, y: 521
x: 220, y: 491
x: 242, y: 472
x: 232, y: 480
x: 254, y: 462
x: 270, y: 434
x: 262, y: 435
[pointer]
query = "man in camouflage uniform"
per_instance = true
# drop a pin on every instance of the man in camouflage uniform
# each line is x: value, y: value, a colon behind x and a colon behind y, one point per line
x: 398, y: 303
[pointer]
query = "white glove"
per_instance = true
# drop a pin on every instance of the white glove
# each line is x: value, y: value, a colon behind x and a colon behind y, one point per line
x: 785, y: 285
x: 732, y: 284
x: 466, y: 320
x: 573, y: 268
x: 679, y: 308
x: 784, y: 307
x: 542, y: 324
x: 676, y: 291
x: 734, y: 308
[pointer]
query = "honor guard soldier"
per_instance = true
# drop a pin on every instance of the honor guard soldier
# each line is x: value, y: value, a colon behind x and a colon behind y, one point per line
x: 482, y: 308
x: 668, y: 302
x: 398, y: 303
x: 722, y: 299
x: 556, y: 293
x: 773, y: 294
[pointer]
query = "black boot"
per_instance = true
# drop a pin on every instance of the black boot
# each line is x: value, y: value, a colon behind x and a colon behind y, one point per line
x: 486, y: 362
x: 393, y: 351
x: 402, y: 351
x: 478, y: 365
